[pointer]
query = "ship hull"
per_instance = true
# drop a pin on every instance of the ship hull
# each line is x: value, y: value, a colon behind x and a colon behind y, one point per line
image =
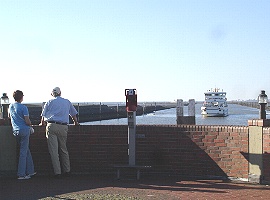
x: 208, y: 112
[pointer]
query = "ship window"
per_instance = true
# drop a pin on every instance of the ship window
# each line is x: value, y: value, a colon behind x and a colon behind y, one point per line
x: 215, y: 103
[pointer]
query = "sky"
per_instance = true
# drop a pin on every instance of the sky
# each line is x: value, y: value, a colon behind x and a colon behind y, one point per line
x: 165, y: 49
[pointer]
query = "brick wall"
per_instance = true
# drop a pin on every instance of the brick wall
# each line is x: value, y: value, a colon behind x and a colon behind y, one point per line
x: 184, y: 150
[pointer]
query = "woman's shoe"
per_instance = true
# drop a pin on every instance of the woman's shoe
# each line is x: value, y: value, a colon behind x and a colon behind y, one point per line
x: 33, y: 174
x: 24, y: 177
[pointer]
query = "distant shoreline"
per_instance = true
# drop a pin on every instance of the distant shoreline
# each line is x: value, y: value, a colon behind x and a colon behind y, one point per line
x: 97, y: 112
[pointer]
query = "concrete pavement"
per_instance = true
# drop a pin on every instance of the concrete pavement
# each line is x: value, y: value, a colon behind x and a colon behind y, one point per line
x: 107, y: 187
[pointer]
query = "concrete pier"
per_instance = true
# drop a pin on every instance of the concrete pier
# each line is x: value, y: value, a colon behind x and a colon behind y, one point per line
x: 180, y: 118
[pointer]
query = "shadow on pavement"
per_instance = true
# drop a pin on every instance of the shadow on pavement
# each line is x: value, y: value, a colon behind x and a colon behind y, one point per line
x: 107, y: 187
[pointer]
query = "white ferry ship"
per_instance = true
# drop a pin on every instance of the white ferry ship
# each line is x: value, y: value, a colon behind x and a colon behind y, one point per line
x: 215, y: 104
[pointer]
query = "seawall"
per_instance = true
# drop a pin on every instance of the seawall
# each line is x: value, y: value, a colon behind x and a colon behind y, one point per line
x: 176, y: 150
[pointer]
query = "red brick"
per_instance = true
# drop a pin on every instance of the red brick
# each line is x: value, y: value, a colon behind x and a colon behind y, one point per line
x: 187, y: 149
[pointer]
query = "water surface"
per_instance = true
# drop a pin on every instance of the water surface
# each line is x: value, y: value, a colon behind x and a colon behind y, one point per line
x: 238, y: 115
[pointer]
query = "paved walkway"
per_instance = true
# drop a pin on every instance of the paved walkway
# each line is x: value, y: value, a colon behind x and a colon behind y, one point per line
x: 166, y: 188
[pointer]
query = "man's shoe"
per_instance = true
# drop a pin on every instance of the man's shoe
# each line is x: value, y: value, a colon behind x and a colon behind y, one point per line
x: 57, y: 176
x: 24, y: 177
x: 66, y: 174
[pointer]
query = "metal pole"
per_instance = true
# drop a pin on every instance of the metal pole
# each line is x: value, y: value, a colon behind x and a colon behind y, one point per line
x: 131, y: 137
x: 5, y: 110
x: 117, y: 111
x: 100, y: 111
x: 262, y: 111
x: 78, y: 112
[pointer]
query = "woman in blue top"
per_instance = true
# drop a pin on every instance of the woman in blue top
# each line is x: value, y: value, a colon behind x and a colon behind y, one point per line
x: 21, y: 129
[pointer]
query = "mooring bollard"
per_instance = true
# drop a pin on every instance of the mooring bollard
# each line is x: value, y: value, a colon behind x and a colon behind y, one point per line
x: 181, y: 119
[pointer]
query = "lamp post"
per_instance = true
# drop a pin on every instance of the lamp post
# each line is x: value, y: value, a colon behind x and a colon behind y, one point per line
x: 4, y: 105
x: 262, y: 100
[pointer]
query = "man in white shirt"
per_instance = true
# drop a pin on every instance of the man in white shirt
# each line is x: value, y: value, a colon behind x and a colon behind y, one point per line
x: 55, y: 116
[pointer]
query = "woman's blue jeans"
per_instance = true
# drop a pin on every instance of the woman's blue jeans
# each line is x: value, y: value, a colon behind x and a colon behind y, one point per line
x: 25, y: 164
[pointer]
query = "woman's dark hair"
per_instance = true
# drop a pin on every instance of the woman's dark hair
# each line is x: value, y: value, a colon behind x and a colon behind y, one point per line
x: 18, y: 95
